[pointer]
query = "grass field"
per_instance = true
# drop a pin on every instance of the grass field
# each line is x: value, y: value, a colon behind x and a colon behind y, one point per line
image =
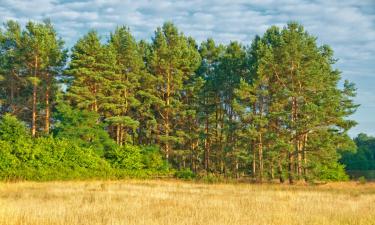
x: 176, y: 202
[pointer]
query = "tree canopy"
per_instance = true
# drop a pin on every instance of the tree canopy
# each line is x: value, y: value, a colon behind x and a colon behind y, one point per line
x: 274, y: 109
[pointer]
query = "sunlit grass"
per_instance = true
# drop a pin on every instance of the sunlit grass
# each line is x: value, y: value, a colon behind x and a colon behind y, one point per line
x: 176, y: 202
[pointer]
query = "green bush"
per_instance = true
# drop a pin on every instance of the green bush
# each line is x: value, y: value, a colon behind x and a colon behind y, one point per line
x: 152, y: 159
x: 44, y: 158
x: 82, y: 128
x: 12, y: 130
x: 330, y: 172
x: 127, y: 157
x: 211, y: 178
x: 185, y: 174
x: 8, y: 162
x: 362, y: 180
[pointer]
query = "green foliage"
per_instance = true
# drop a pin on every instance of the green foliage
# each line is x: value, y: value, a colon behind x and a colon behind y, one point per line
x: 48, y: 158
x: 364, y: 157
x: 83, y: 128
x: 12, y: 130
x: 7, y: 160
x: 211, y: 178
x: 271, y: 110
x: 152, y: 159
x: 31, y: 59
x: 185, y: 174
x: 127, y: 157
x: 44, y: 158
x: 137, y: 158
x: 330, y: 172
x: 362, y: 180
x: 52, y: 159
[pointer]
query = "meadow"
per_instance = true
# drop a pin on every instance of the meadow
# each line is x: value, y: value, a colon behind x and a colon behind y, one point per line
x: 170, y: 202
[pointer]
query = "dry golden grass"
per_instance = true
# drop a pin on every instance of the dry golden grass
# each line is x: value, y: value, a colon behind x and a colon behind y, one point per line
x: 177, y: 202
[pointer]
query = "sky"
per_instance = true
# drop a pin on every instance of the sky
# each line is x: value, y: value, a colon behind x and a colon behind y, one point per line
x: 348, y: 26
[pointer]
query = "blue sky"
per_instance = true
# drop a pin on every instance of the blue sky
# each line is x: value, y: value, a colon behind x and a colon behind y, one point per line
x: 348, y: 26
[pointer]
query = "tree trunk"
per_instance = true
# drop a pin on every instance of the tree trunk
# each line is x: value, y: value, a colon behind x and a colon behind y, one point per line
x: 118, y: 134
x: 95, y: 104
x: 34, y: 113
x: 299, y: 157
x: 291, y: 168
x: 254, y: 165
x: 305, y: 157
x: 280, y: 168
x: 121, y: 135
x: 12, y: 90
x: 166, y: 122
x: 47, y: 116
x: 272, y: 170
x: 260, y: 159
x: 237, y: 169
x: 207, y: 146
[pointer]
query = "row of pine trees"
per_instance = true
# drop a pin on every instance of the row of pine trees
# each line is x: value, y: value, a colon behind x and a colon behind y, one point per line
x: 271, y: 110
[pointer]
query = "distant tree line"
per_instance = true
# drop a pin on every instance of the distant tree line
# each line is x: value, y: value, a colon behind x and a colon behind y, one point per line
x: 271, y: 110
x: 364, y: 157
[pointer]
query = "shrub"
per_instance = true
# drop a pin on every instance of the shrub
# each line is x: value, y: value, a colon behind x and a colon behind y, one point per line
x: 152, y: 159
x: 185, y: 174
x: 127, y: 157
x: 82, y: 128
x: 362, y: 180
x: 8, y: 162
x: 330, y: 172
x: 12, y: 130
x: 211, y: 178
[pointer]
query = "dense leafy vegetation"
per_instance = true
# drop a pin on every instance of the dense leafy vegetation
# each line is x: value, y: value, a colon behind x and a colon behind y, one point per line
x: 48, y: 158
x: 271, y: 110
x: 362, y: 161
x: 364, y: 157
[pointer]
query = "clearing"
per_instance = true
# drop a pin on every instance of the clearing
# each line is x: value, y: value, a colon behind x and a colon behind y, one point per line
x: 168, y: 202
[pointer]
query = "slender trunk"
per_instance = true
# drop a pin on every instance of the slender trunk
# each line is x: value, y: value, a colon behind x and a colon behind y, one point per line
x: 222, y: 166
x: 166, y: 122
x: 124, y: 134
x: 272, y: 170
x: 291, y: 167
x: 12, y: 90
x: 254, y: 165
x: 118, y: 134
x: 291, y: 171
x: 217, y: 120
x: 221, y: 138
x: 34, y: 114
x: 167, y: 146
x: 206, y: 146
x: 280, y: 168
x: 95, y: 104
x: 299, y: 157
x: 121, y: 135
x: 260, y: 158
x: 47, y: 116
x: 237, y: 169
x: 305, y: 157
x: 192, y: 154
x: 260, y: 142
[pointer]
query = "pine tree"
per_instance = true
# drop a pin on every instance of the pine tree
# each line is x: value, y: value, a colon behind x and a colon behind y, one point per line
x: 90, y: 66
x: 208, y: 96
x: 295, y: 90
x: 121, y: 95
x: 173, y: 61
x: 12, y: 80
x: 35, y: 55
x: 148, y: 96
